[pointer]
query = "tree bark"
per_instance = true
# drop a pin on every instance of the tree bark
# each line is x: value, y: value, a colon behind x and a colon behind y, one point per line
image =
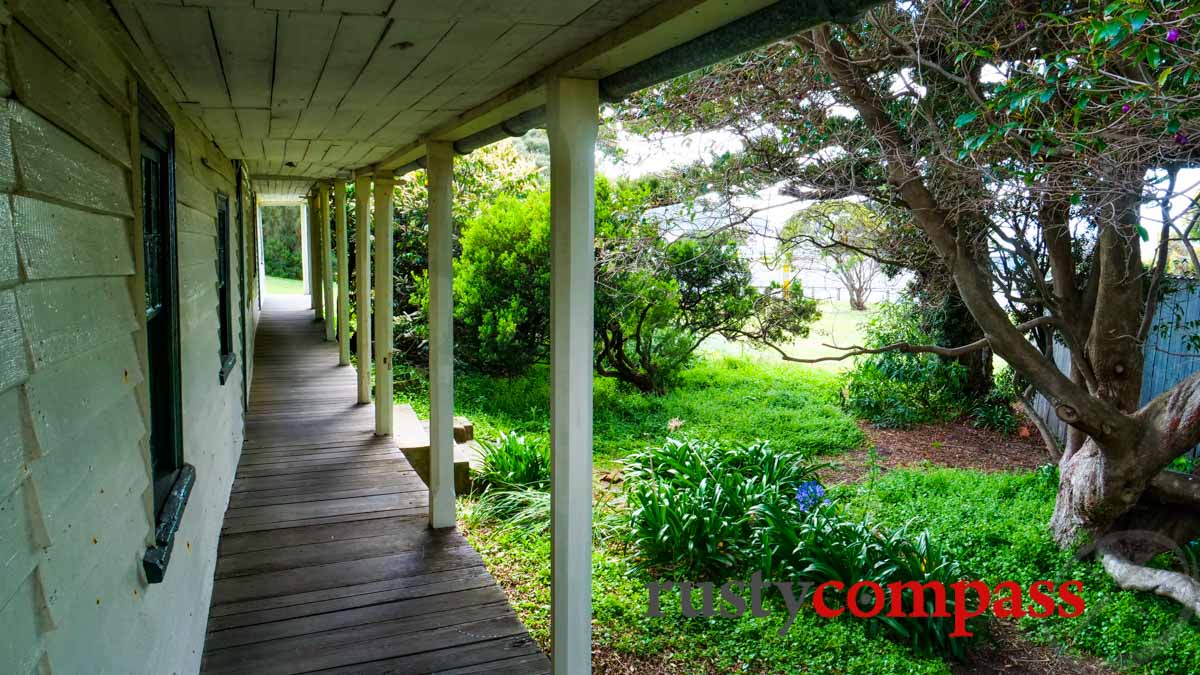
x: 1108, y: 484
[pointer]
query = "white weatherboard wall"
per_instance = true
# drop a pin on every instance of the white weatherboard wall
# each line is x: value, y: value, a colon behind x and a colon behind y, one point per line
x: 75, y: 494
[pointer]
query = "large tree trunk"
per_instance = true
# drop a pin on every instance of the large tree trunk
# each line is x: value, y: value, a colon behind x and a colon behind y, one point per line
x: 1114, y: 490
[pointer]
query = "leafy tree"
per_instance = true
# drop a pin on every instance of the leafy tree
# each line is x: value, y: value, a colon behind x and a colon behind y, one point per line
x: 1020, y: 139
x: 839, y: 231
x: 281, y: 241
x: 656, y: 300
x: 502, y: 285
x: 480, y: 178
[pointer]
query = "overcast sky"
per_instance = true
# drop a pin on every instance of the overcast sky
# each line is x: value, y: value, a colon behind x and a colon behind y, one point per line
x: 643, y: 156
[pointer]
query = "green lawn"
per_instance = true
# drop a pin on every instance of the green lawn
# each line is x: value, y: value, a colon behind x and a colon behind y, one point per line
x: 993, y: 523
x: 281, y: 286
x: 839, y: 326
x: 733, y: 400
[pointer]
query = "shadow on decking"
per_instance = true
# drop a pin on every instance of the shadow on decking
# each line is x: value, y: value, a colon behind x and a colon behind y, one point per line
x: 326, y: 560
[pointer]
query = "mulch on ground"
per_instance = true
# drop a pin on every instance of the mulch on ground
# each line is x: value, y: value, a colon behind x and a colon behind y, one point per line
x: 1008, y: 652
x: 956, y: 445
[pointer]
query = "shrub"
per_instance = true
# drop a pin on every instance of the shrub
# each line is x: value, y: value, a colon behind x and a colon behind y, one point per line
x: 513, y: 462
x: 897, y: 389
x: 695, y: 504
x: 821, y: 543
x: 281, y: 241
x: 996, y: 411
x: 524, y: 507
x: 502, y: 285
x: 995, y: 523
x: 657, y: 297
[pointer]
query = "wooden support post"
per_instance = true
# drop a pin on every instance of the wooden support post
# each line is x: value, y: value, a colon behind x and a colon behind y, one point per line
x: 383, y: 303
x: 343, y: 273
x: 440, y: 158
x: 314, y: 239
x: 326, y: 268
x: 362, y: 283
x: 573, y: 111
x: 306, y: 250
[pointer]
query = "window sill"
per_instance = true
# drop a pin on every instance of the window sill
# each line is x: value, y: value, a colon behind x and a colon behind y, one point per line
x: 227, y: 363
x: 156, y: 558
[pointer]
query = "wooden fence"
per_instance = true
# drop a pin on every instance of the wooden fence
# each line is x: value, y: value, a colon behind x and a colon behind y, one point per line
x: 1169, y: 356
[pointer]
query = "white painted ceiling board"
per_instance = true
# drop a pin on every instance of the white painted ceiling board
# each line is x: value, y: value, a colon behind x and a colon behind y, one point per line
x: 246, y: 41
x: 403, y: 48
x: 183, y: 35
x: 375, y: 7
x: 312, y: 121
x: 283, y: 123
x: 255, y: 123
x: 334, y: 85
x: 356, y: 39
x: 302, y: 45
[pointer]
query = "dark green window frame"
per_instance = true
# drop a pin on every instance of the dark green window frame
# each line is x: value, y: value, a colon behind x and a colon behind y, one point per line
x: 172, y: 477
x: 224, y: 290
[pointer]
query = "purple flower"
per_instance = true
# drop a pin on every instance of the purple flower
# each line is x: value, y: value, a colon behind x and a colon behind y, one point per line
x: 966, y: 2
x: 1181, y: 138
x: 1126, y: 108
x: 810, y: 494
x: 1020, y: 25
x: 1173, y: 35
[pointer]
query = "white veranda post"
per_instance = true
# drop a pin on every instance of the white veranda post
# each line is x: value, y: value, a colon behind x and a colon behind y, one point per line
x: 440, y: 158
x: 383, y: 303
x: 573, y: 115
x: 314, y: 252
x: 306, y: 255
x: 326, y: 269
x: 343, y: 273
x: 362, y: 282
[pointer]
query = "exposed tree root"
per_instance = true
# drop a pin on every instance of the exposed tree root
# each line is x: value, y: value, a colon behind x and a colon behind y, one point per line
x: 1131, y: 576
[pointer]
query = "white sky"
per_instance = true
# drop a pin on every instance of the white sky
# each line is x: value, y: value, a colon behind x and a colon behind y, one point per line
x: 645, y: 156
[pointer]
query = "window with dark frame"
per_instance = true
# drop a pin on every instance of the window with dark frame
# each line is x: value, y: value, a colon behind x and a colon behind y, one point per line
x: 172, y: 478
x: 224, y: 289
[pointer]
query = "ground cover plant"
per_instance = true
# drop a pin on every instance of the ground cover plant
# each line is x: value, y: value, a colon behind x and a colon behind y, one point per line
x: 1013, y: 147
x: 722, y: 399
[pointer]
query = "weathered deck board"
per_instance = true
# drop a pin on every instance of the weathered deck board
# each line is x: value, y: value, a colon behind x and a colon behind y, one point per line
x: 326, y: 559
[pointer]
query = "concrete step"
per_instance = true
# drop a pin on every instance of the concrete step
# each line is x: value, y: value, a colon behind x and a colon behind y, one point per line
x: 411, y: 435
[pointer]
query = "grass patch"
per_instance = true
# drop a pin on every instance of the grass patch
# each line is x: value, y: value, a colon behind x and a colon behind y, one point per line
x: 726, y: 399
x: 520, y: 559
x: 838, y: 326
x: 996, y: 525
x: 281, y: 286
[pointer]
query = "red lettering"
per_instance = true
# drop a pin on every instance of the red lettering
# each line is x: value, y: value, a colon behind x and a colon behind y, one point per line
x: 1042, y: 599
x: 961, y: 611
x: 897, y: 588
x: 1071, y: 598
x: 819, y: 605
x: 1010, y: 607
x: 877, y: 604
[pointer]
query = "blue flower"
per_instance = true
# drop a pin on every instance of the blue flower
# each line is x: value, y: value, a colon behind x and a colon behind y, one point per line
x: 810, y: 494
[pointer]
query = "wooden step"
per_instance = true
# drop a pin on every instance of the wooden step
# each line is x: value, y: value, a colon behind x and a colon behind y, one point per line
x: 412, y: 437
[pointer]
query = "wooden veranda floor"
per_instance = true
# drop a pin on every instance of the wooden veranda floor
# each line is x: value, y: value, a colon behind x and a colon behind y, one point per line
x: 326, y: 560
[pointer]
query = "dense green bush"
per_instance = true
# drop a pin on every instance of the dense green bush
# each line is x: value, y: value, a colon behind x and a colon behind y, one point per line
x: 281, y: 241
x: 703, y: 512
x: 502, y: 285
x: 513, y: 461
x: 996, y: 411
x: 898, y: 389
x: 821, y: 543
x: 696, y: 505
x: 657, y: 298
x: 514, y: 480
